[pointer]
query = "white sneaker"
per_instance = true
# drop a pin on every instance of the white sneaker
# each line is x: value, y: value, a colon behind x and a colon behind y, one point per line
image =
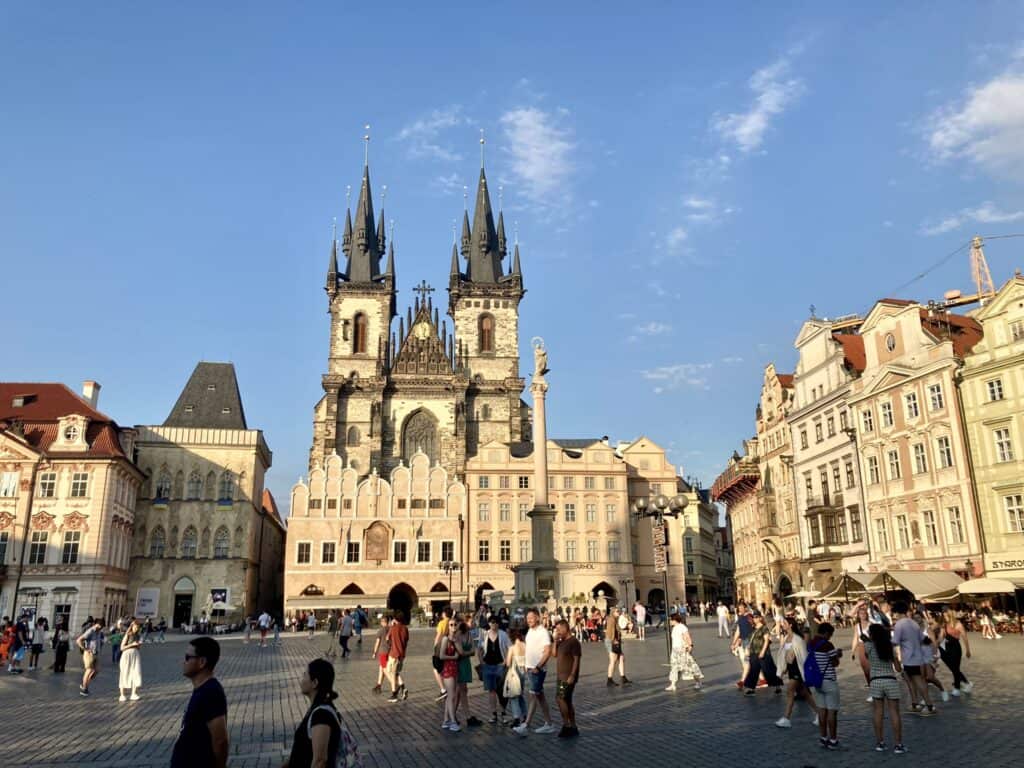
x: 521, y: 729
x: 815, y: 720
x: 671, y: 687
x: 945, y: 695
x: 783, y: 722
x: 546, y: 728
x: 967, y: 687
x: 956, y: 692
x: 134, y: 697
x: 870, y: 699
x: 454, y: 727
x: 122, y: 697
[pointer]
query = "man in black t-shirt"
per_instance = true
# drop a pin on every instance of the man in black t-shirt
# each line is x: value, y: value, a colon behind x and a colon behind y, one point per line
x: 203, y: 740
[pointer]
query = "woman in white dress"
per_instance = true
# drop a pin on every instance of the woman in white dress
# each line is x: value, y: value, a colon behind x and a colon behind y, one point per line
x: 131, y: 662
x: 683, y: 664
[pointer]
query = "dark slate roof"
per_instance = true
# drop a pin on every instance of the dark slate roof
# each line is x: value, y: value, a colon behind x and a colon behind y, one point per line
x: 209, y: 400
x: 576, y: 442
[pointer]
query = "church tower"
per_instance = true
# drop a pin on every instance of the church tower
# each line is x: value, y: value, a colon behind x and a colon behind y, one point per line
x: 361, y: 302
x: 484, y: 306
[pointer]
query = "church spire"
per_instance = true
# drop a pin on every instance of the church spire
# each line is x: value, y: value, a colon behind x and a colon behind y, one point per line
x: 455, y: 262
x: 484, y: 257
x: 364, y: 249
x: 332, y: 266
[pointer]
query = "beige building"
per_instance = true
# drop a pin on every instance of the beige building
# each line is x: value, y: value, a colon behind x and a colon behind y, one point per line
x: 738, y: 488
x: 67, y: 479
x: 826, y: 467
x: 701, y: 554
x: 726, y: 565
x: 207, y: 536
x: 910, y: 436
x: 992, y: 393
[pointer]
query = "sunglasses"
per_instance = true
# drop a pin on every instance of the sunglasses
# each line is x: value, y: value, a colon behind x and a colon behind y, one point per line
x: 189, y: 657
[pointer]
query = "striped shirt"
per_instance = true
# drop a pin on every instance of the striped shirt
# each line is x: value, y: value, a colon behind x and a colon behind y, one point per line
x: 826, y: 657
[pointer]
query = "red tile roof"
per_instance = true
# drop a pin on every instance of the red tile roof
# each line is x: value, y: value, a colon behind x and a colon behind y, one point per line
x: 270, y: 506
x: 785, y: 380
x: 963, y: 331
x: 853, y: 350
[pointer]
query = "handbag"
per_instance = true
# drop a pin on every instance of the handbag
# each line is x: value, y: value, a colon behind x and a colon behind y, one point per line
x: 513, y: 686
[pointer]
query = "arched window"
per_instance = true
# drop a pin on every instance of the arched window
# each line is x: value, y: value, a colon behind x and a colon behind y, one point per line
x: 221, y: 544
x: 420, y: 434
x: 226, y: 491
x: 352, y: 438
x: 486, y: 333
x: 188, y: 543
x: 195, y: 486
x: 163, y: 487
x: 485, y: 412
x: 157, y: 543
x: 179, y: 484
x: 359, y: 334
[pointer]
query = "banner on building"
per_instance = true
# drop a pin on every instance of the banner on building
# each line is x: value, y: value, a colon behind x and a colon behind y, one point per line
x: 147, y: 601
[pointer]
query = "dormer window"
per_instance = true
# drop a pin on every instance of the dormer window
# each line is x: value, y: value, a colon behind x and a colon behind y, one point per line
x: 225, y: 410
x: 211, y: 387
x: 189, y: 408
x: 70, y: 433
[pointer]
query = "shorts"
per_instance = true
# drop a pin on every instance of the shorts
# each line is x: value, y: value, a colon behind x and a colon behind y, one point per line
x: 564, y: 691
x: 912, y: 670
x: 438, y: 663
x: 394, y: 666
x: 885, y: 688
x: 383, y: 659
x: 494, y: 676
x: 19, y: 654
x: 827, y: 695
x: 89, y: 660
x: 37, y: 648
x: 536, y: 680
x: 610, y: 647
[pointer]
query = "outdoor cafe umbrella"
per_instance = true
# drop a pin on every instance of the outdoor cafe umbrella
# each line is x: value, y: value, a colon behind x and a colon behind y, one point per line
x: 993, y: 587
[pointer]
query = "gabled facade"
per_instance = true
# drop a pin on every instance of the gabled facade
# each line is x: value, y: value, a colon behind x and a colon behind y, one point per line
x: 738, y: 488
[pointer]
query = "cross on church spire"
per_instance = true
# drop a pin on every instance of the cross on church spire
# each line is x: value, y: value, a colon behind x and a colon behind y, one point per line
x: 423, y: 290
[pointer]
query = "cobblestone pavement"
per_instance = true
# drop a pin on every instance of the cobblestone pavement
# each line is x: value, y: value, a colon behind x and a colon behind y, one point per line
x: 48, y: 723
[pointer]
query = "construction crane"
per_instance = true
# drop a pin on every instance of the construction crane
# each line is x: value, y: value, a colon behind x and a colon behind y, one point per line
x: 984, y: 287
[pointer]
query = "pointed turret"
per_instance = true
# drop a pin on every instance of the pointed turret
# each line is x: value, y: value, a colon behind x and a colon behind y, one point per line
x: 364, y: 255
x: 501, y: 235
x: 390, y: 269
x: 346, y: 238
x: 515, y: 262
x: 484, y: 258
x: 332, y: 269
x: 381, y: 235
x: 455, y: 274
x: 467, y: 237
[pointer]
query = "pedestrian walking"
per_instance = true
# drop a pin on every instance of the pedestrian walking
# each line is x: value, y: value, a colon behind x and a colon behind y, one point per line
x: 161, y: 629
x: 359, y: 621
x: 791, y: 656
x: 466, y: 646
x: 311, y: 624
x: 381, y: 647
x: 682, y: 662
x: 449, y: 655
x: 332, y: 628
x: 131, y: 662
x: 249, y: 621
x: 494, y: 645
x: 38, y: 643
x: 741, y: 638
x: 203, y: 739
x: 640, y: 614
x: 907, y: 638
x: 952, y: 636
x: 398, y: 642
x: 89, y: 643
x: 115, y: 638
x: 61, y: 645
x: 322, y: 737
x: 761, y: 662
x: 568, y: 654
x: 825, y: 658
x: 345, y: 633
x: 19, y: 646
x: 539, y: 649
x: 613, y: 645
x: 723, y: 619
x: 437, y: 663
x: 515, y: 678
x: 264, y: 624
x: 879, y: 661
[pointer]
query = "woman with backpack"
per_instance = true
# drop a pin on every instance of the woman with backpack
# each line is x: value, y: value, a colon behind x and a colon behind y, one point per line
x: 791, y: 657
x: 322, y: 740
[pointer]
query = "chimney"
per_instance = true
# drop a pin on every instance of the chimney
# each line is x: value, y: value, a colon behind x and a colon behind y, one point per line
x: 91, y: 393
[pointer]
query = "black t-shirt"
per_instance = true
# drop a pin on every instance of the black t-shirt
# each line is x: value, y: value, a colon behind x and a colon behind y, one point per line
x: 194, y: 747
x: 20, y: 635
x: 302, y: 746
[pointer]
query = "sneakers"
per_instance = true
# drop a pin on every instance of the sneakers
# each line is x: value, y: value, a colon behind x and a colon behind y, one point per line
x: 521, y: 729
x: 967, y: 687
x: 783, y: 722
x: 546, y: 728
x: 454, y: 727
x: 698, y: 686
x: 870, y: 699
x: 956, y: 693
x: 494, y: 718
x: 134, y: 697
x: 880, y: 746
x: 945, y: 695
x: 405, y: 693
x: 376, y: 688
x: 440, y: 697
x: 473, y: 721
x: 671, y: 687
x: 832, y: 745
x: 393, y: 697
x: 122, y: 698
x: 565, y: 733
x: 899, y: 749
x: 815, y: 720
x: 749, y: 692
x: 83, y: 691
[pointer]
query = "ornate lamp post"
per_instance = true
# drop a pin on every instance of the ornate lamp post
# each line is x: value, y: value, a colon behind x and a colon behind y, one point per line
x: 449, y: 567
x: 658, y: 509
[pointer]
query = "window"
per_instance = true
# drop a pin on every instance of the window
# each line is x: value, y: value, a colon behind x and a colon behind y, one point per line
x: 9, y: 484
x: 808, y: 485
x: 400, y: 552
x: 1004, y: 449
x: 195, y: 486
x: 333, y: 503
x: 316, y: 503
x: 37, y: 548
x: 437, y: 503
x: 303, y: 554
x: 157, y: 543
x: 1017, y: 330
x: 830, y: 426
x: 910, y: 402
x: 524, y: 481
x: 447, y: 551
x: 591, y: 513
x: 359, y: 334
x: 894, y: 465
x: 593, y: 554
x: 79, y: 485
x: 823, y: 476
x: 483, y: 512
x: 423, y: 551
x: 48, y: 485
x: 890, y: 342
x: 524, y: 550
x: 505, y: 512
x: 868, y: 420
x: 886, y: 410
x: 803, y: 438
x: 956, y: 525
x: 188, y: 543
x: 901, y: 532
x: 920, y: 460
x: 72, y: 541
x: 4, y: 538
x: 609, y: 483
x: 882, y: 535
x: 814, y: 523
x: 830, y: 529
x: 485, y: 414
x: 850, y: 477
x: 484, y: 481
x: 505, y: 550
x: 609, y: 513
x: 944, y: 449
x: 568, y: 482
x: 931, y: 531
x: 874, y: 476
x: 613, y: 551
x: 837, y: 483
x: 524, y: 511
x: 689, y: 568
x: 486, y: 333
x: 352, y: 551
x: 352, y: 436
x: 503, y: 481
x: 688, y: 543
x: 843, y: 420
x: 855, y: 532
x: 995, y: 390
x: 226, y: 489
x: 570, y: 513
x: 483, y: 550
x: 655, y: 489
x: 935, y: 397
x: 1014, y: 505
x: 818, y: 435
x: 222, y: 544
x: 328, y: 552
x: 551, y: 482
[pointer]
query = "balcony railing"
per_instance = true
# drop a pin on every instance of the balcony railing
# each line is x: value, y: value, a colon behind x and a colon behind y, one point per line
x: 831, y: 501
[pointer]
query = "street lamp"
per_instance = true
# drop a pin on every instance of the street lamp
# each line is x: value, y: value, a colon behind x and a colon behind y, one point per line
x: 449, y: 567
x: 658, y: 509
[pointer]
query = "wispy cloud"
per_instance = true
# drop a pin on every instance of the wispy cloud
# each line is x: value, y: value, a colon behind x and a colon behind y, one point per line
x: 653, y: 328
x: 449, y: 184
x: 423, y: 136
x: 675, y: 239
x: 703, y: 210
x: 668, y: 377
x: 732, y: 360
x: 540, y: 146
x: 774, y: 89
x: 986, y: 213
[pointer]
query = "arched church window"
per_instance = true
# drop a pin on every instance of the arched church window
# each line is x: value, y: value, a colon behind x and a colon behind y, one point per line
x: 221, y: 543
x: 226, y: 492
x: 157, y: 543
x: 420, y: 434
x: 359, y: 334
x: 188, y: 543
x: 486, y: 333
x: 352, y: 438
x: 195, y: 486
x: 163, y: 486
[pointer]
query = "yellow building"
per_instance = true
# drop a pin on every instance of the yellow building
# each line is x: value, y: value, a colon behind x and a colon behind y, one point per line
x: 992, y: 392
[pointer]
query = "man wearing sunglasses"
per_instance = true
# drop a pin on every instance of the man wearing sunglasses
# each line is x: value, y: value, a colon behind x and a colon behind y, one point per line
x: 203, y: 739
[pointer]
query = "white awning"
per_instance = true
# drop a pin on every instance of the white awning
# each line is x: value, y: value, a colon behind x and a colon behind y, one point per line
x: 987, y: 587
x: 920, y: 584
x: 850, y: 585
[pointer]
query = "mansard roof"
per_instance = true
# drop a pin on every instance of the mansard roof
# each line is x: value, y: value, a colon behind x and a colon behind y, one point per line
x: 209, y: 400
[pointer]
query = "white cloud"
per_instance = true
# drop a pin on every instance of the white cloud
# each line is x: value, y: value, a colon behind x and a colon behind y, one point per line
x: 541, y: 148
x: 732, y: 360
x: 669, y: 377
x: 675, y: 239
x: 986, y: 213
x: 704, y: 210
x: 774, y: 90
x: 698, y: 203
x: 653, y: 328
x: 423, y: 136
x: 449, y: 184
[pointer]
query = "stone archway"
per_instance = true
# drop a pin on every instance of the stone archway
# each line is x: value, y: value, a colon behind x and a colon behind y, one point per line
x: 784, y: 587
x: 184, y: 601
x: 419, y: 433
x: 478, y: 596
x: 655, y: 598
x: 401, y: 600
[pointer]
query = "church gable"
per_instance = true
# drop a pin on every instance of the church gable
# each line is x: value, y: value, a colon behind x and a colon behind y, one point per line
x: 424, y: 350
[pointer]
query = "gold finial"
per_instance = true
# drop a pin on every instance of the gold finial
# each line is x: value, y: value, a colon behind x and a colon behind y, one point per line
x: 383, y: 195
x: 481, y: 148
x: 366, y: 150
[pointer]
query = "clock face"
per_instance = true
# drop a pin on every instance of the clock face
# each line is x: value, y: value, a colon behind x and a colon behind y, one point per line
x: 421, y: 330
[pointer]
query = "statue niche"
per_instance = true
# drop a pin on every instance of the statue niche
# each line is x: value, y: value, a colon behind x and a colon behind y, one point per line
x: 420, y: 434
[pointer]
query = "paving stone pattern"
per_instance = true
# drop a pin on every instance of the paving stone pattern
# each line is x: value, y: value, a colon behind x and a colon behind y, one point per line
x: 48, y: 723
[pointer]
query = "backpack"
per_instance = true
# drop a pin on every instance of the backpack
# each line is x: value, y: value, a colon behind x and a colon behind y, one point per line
x: 348, y: 751
x: 812, y: 673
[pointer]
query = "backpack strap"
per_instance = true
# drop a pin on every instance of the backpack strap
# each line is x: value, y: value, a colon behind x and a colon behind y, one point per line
x: 309, y: 720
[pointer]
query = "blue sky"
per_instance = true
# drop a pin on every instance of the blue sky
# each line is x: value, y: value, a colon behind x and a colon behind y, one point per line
x: 687, y: 180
